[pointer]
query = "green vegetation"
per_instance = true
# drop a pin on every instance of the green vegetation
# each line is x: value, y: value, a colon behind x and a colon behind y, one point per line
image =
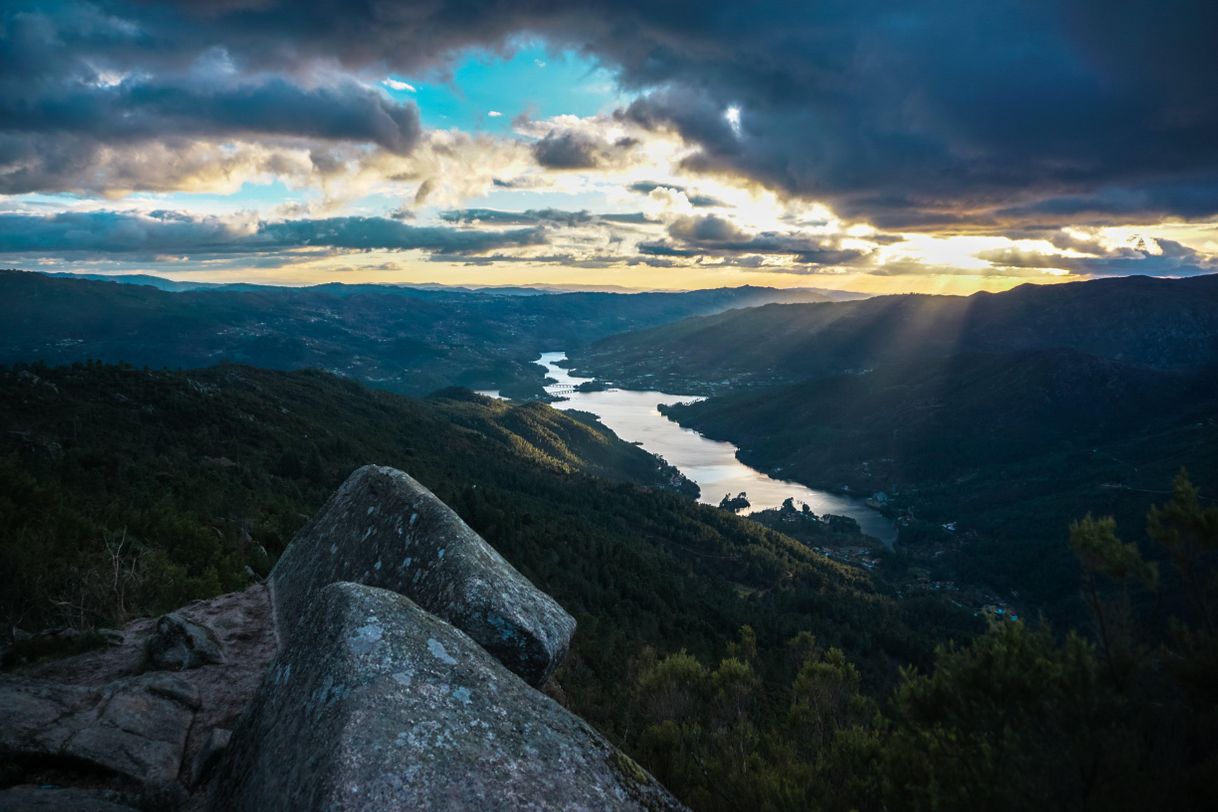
x: 738, y: 666
x: 1008, y: 448
x: 1016, y: 719
x: 129, y: 492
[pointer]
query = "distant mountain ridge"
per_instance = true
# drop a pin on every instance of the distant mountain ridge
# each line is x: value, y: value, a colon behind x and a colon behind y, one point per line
x: 527, y: 289
x: 411, y: 340
x: 1161, y: 323
x: 942, y: 421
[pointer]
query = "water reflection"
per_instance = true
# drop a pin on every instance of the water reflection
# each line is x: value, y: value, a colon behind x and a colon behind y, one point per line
x: 633, y: 416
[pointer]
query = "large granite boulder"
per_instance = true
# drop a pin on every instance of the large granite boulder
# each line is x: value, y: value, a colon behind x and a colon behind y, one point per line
x: 135, y: 727
x: 374, y: 704
x: 384, y: 529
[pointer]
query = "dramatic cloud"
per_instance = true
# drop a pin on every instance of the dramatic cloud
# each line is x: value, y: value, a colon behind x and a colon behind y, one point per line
x: 60, y: 162
x: 135, y: 109
x: 106, y: 232
x: 719, y: 236
x: 1144, y: 256
x: 646, y: 187
x: 887, y: 109
x: 555, y: 217
x: 1010, y: 117
x: 570, y: 149
x: 80, y: 82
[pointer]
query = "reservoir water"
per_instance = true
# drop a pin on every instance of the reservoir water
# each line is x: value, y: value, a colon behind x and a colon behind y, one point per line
x: 633, y: 416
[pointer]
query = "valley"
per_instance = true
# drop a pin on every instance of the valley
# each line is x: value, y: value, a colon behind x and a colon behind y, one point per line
x: 412, y: 340
x: 912, y: 518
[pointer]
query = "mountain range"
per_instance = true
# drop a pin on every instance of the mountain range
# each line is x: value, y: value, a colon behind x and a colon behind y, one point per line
x: 411, y: 340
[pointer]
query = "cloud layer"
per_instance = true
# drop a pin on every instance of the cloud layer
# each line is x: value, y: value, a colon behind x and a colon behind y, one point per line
x: 102, y: 233
x: 1007, y: 117
x: 914, y: 114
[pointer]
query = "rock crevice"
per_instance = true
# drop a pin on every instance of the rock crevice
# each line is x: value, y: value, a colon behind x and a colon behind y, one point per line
x: 375, y: 704
x: 383, y: 529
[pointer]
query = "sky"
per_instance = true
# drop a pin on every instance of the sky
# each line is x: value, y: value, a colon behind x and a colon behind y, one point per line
x: 868, y: 145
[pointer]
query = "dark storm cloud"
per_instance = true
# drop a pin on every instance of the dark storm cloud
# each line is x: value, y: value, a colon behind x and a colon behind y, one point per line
x: 1192, y: 198
x: 924, y: 114
x: 914, y: 112
x: 705, y: 230
x: 718, y: 236
x: 137, y: 109
x: 100, y: 233
x: 75, y: 79
x: 663, y: 249
x: 570, y: 149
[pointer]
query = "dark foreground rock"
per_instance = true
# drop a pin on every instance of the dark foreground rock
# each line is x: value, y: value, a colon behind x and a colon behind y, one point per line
x: 209, y: 755
x: 135, y: 727
x: 180, y: 644
x: 33, y: 798
x: 241, y: 623
x: 374, y: 704
x: 384, y: 529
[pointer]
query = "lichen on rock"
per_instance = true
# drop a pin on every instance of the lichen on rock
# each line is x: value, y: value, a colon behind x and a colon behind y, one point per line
x: 375, y: 704
x: 383, y: 529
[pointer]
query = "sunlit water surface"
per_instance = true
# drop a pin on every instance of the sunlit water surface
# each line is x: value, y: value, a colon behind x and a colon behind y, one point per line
x: 633, y: 416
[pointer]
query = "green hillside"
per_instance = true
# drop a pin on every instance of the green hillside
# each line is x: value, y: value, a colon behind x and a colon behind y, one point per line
x: 736, y: 664
x: 1009, y: 448
x: 202, y: 471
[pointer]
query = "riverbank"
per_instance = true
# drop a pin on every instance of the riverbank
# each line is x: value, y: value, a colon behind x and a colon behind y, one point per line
x: 635, y: 416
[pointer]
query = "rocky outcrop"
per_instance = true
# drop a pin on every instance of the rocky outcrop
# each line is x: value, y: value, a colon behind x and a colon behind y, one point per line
x: 409, y: 696
x: 135, y: 727
x: 375, y: 704
x: 384, y: 529
x: 180, y: 644
x: 42, y: 704
x: 209, y: 755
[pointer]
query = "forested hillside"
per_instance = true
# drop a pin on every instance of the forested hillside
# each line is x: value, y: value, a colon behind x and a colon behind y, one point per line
x: 986, y: 423
x: 184, y: 479
x: 1007, y: 448
x: 737, y: 665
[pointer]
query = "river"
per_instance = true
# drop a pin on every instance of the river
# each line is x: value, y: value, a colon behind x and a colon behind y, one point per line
x: 633, y: 416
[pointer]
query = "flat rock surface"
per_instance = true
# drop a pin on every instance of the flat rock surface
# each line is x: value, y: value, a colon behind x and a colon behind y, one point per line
x: 375, y: 704
x: 384, y: 529
x: 135, y: 727
x: 240, y: 621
